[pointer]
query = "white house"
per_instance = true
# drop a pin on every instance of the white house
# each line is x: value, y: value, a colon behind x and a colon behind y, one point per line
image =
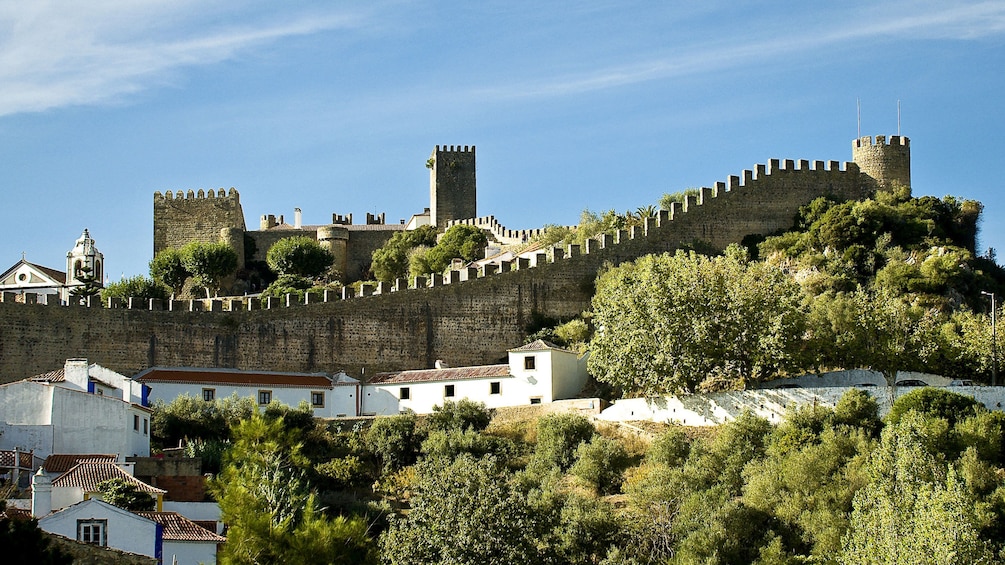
x: 96, y: 522
x: 328, y: 396
x: 81, y: 483
x: 42, y: 284
x: 81, y: 408
x: 537, y: 373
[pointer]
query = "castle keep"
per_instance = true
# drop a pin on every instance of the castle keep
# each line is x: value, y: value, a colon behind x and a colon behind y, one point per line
x: 209, y: 217
x: 466, y: 317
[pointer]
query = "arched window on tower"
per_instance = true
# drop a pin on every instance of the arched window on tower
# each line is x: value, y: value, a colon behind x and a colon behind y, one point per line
x: 97, y: 272
x: 76, y: 269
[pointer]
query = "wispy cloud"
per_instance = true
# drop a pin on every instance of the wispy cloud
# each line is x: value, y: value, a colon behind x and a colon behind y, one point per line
x: 882, y: 24
x: 59, y: 54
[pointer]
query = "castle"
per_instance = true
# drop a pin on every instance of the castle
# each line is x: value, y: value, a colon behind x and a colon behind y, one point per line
x: 468, y: 317
x: 209, y: 217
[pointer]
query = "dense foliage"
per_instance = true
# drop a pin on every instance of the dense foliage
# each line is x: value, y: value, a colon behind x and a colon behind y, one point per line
x: 390, y: 261
x: 890, y: 284
x: 124, y: 494
x: 299, y: 256
x: 207, y: 264
x: 139, y: 287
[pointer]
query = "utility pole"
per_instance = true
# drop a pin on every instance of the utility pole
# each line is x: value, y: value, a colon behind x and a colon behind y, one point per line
x: 994, y: 338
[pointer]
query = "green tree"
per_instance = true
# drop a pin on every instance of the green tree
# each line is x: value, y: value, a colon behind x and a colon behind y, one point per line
x: 558, y: 438
x: 461, y: 415
x: 24, y: 543
x: 667, y: 323
x: 190, y: 418
x: 168, y: 268
x: 915, y: 509
x: 273, y: 516
x: 467, y: 512
x: 300, y: 256
x: 121, y: 493
x: 393, y: 441
x: 600, y: 464
x: 390, y: 261
x: 209, y: 263
x: 458, y: 242
x: 135, y: 287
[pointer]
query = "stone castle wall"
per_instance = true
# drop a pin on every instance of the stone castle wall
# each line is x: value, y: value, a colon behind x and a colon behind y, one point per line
x: 472, y: 320
x: 180, y: 218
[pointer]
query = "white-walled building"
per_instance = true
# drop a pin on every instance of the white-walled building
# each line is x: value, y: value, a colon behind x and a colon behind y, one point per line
x: 81, y: 408
x: 328, y: 396
x: 185, y: 542
x: 99, y: 523
x: 45, y: 283
x: 537, y: 373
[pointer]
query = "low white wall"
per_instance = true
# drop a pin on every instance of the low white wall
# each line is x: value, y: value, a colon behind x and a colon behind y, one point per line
x: 189, y: 552
x: 770, y: 404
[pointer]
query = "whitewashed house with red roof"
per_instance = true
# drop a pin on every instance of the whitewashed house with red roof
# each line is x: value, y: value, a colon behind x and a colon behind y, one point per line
x: 165, y: 536
x: 328, y: 396
x: 537, y: 373
x: 80, y: 408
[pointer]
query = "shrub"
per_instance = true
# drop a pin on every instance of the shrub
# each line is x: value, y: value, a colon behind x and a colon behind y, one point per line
x: 558, y: 437
x: 461, y: 415
x: 601, y: 463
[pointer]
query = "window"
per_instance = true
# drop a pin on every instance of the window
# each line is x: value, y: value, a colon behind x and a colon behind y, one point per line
x: 209, y: 394
x: 146, y: 426
x: 535, y: 400
x: 404, y: 393
x: 495, y: 387
x: 448, y: 390
x: 528, y: 363
x: 317, y: 399
x: 92, y: 531
x: 264, y: 397
x: 136, y: 423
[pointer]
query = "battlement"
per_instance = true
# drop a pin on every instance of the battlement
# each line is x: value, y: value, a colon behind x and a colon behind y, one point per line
x: 200, y: 195
x: 454, y: 149
x: 500, y: 232
x: 880, y: 140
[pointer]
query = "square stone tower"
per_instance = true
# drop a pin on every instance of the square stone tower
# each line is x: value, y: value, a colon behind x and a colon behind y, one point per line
x: 452, y: 194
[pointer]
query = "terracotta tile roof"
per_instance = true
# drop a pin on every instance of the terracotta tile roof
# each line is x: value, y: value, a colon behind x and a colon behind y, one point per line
x: 16, y: 513
x: 63, y: 462
x: 180, y: 528
x: 87, y: 476
x: 233, y: 377
x: 539, y: 345
x: 56, y: 275
x: 56, y: 376
x: 448, y: 374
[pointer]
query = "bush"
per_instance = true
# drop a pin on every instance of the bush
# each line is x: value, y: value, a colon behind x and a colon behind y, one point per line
x: 393, y: 441
x: 449, y: 444
x: 461, y: 415
x: 558, y: 438
x: 935, y: 402
x: 299, y: 256
x: 135, y: 287
x: 287, y: 284
x: 601, y: 463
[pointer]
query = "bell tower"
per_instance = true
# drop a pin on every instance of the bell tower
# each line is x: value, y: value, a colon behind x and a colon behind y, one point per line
x: 84, y: 254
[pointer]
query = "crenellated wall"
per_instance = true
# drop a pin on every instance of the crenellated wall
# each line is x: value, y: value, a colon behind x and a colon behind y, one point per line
x: 470, y: 317
x: 182, y: 217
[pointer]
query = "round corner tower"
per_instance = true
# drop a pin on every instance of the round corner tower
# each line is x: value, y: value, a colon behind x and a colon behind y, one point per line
x: 887, y: 164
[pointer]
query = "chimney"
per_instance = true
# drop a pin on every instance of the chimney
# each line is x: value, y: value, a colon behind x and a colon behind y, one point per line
x: 296, y: 218
x: 75, y: 373
x: 41, y: 494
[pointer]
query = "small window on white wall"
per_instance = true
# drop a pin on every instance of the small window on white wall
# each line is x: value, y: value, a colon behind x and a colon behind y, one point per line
x: 209, y: 394
x: 92, y: 531
x: 448, y: 390
x: 528, y: 363
x: 495, y: 387
x: 318, y: 399
x: 404, y: 393
x: 264, y: 397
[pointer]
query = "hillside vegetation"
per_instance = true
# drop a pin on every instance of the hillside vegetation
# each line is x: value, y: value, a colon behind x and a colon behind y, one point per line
x: 826, y: 486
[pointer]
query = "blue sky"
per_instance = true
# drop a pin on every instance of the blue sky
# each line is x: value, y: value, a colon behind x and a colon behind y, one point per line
x: 334, y: 107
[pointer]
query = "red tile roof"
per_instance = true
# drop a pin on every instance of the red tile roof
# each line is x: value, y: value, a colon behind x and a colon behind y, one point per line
x: 16, y: 513
x: 180, y: 528
x: 448, y: 374
x: 538, y: 345
x: 56, y: 376
x: 87, y: 476
x: 63, y: 462
x: 233, y: 377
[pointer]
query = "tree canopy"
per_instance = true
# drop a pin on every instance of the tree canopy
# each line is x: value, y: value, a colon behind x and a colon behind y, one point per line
x: 300, y: 256
x: 208, y: 263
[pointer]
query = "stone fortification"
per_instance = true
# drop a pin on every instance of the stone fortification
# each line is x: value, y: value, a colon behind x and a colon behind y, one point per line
x: 467, y: 318
x: 182, y: 217
x: 452, y: 185
x: 499, y: 232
